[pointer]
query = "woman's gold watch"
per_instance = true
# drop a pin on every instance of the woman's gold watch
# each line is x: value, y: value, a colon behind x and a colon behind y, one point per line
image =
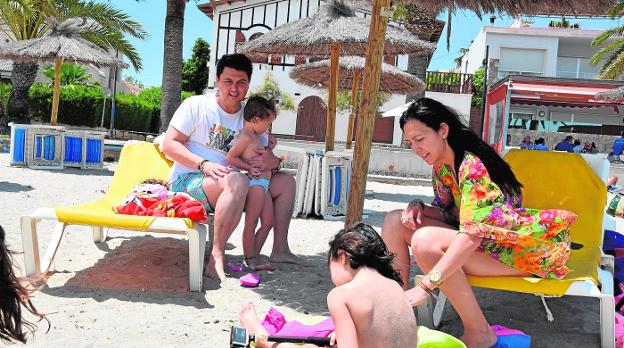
x: 435, y: 277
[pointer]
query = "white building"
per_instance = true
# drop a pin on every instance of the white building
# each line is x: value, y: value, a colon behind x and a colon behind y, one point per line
x: 524, y: 50
x: 237, y: 21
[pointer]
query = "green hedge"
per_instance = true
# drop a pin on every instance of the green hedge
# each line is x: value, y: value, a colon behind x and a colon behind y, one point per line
x: 82, y: 106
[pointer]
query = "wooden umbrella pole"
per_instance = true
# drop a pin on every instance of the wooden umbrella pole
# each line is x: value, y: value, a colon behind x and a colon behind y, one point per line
x: 330, y: 132
x: 367, y: 111
x: 354, y: 92
x: 58, y: 62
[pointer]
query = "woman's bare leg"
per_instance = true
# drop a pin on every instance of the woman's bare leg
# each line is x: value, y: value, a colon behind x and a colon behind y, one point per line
x: 397, y: 238
x: 429, y: 245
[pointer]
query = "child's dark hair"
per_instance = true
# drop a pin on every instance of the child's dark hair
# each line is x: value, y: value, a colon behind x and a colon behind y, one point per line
x: 235, y: 61
x: 363, y: 247
x: 260, y: 107
x: 13, y: 295
x: 461, y: 139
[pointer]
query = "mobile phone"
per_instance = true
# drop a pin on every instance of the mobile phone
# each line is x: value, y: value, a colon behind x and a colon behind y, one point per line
x: 238, y: 337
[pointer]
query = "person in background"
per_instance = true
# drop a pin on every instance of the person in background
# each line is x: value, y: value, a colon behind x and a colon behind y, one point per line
x: 618, y: 145
x: 540, y: 145
x: 526, y: 143
x: 14, y: 296
x: 577, y: 146
x: 565, y: 145
x: 594, y: 149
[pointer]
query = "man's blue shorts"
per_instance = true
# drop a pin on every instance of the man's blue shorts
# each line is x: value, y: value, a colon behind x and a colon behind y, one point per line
x: 191, y: 183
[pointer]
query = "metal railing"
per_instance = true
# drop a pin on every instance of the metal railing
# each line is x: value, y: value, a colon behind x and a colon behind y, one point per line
x: 448, y: 82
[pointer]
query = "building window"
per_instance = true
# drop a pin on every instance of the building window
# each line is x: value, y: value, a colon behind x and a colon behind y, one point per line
x: 520, y: 61
x: 576, y: 68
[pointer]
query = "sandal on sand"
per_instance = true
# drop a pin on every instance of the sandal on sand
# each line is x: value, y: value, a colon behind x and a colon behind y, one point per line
x: 250, y: 279
x: 257, y: 267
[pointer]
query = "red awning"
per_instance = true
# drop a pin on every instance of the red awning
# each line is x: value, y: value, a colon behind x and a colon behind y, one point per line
x: 549, y: 93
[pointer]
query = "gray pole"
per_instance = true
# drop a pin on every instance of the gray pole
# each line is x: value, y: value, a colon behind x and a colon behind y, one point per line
x: 485, y: 87
x: 103, y: 108
x: 112, y: 119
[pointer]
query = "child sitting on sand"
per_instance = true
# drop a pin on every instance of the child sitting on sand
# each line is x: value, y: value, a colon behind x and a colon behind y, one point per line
x: 368, y: 305
x: 259, y: 113
x: 13, y: 296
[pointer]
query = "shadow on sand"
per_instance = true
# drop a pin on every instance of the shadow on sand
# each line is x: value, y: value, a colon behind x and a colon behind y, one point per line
x: 140, y: 269
x: 6, y: 186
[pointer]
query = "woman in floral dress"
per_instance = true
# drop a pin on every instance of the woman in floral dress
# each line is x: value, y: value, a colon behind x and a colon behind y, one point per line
x: 475, y: 225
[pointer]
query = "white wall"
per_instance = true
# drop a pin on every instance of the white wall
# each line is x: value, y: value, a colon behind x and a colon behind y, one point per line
x: 286, y: 120
x: 473, y: 60
x: 548, y: 44
x: 460, y: 103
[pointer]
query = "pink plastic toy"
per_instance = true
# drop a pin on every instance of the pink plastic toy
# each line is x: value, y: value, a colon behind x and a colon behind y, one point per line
x: 250, y: 279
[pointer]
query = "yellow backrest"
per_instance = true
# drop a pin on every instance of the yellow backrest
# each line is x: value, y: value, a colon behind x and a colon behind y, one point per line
x: 138, y: 161
x: 563, y: 181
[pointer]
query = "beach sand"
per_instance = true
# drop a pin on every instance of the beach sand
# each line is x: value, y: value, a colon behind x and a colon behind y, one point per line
x: 131, y: 291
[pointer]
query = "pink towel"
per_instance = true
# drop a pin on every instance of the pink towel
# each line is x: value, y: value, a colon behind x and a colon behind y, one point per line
x: 276, y: 325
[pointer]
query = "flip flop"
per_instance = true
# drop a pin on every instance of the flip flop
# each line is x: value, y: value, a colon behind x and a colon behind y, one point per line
x: 510, y: 338
x: 261, y: 267
x: 250, y: 280
x: 233, y: 268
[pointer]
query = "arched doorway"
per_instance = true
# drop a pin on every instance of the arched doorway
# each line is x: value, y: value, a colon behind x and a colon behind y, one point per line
x: 311, y: 119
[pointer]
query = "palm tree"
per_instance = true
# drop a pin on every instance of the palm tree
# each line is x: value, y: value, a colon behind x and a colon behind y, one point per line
x: 25, y: 19
x: 613, y: 51
x: 172, y: 61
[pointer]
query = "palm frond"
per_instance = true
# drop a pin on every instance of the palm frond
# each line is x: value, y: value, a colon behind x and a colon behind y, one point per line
x: 614, y: 66
x: 617, y: 32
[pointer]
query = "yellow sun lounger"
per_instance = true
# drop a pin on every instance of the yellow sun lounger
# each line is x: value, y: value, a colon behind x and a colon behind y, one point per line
x: 138, y: 161
x: 564, y: 181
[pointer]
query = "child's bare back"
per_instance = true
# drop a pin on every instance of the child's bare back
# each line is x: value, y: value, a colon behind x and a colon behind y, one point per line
x: 379, y: 309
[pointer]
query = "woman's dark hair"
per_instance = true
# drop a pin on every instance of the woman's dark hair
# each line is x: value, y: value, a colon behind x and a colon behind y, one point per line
x: 461, y: 138
x: 13, y: 295
x: 540, y: 141
x: 363, y: 247
x: 258, y: 106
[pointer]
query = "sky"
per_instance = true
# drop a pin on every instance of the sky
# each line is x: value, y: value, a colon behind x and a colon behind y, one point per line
x: 465, y: 27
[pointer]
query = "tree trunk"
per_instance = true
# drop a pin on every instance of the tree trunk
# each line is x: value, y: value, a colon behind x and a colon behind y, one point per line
x: 172, y: 61
x: 22, y: 77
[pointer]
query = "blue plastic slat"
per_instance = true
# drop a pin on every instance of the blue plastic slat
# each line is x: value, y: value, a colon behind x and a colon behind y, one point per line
x: 38, y: 147
x: 19, y: 145
x: 94, y: 150
x: 50, y: 144
x: 338, y: 191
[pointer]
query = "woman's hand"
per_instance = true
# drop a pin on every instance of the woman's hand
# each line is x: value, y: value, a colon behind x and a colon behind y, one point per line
x: 416, y: 296
x: 264, y: 160
x: 413, y: 214
x: 215, y: 170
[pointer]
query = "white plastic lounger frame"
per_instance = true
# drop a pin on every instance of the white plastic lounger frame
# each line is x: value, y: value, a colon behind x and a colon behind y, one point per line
x: 198, y: 235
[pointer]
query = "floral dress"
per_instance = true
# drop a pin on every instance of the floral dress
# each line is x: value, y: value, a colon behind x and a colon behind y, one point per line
x: 531, y: 240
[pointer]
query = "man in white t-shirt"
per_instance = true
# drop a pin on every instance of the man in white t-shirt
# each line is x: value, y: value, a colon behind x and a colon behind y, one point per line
x: 197, y: 141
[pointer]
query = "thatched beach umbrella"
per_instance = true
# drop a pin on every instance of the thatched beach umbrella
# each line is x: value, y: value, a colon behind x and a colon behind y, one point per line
x: 393, y: 80
x: 610, y: 95
x: 333, y: 30
x: 377, y: 32
x: 61, y: 43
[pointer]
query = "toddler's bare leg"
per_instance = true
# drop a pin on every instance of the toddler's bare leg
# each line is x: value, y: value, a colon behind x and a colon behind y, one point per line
x: 266, y: 223
x: 253, y: 208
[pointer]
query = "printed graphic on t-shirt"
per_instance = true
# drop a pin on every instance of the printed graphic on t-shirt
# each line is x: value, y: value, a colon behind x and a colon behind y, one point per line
x: 220, y: 137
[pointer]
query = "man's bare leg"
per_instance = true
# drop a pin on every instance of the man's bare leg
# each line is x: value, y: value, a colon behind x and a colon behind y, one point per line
x: 227, y: 196
x: 282, y: 189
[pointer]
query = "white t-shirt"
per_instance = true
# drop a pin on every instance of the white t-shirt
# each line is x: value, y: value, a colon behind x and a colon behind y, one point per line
x: 210, y: 129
